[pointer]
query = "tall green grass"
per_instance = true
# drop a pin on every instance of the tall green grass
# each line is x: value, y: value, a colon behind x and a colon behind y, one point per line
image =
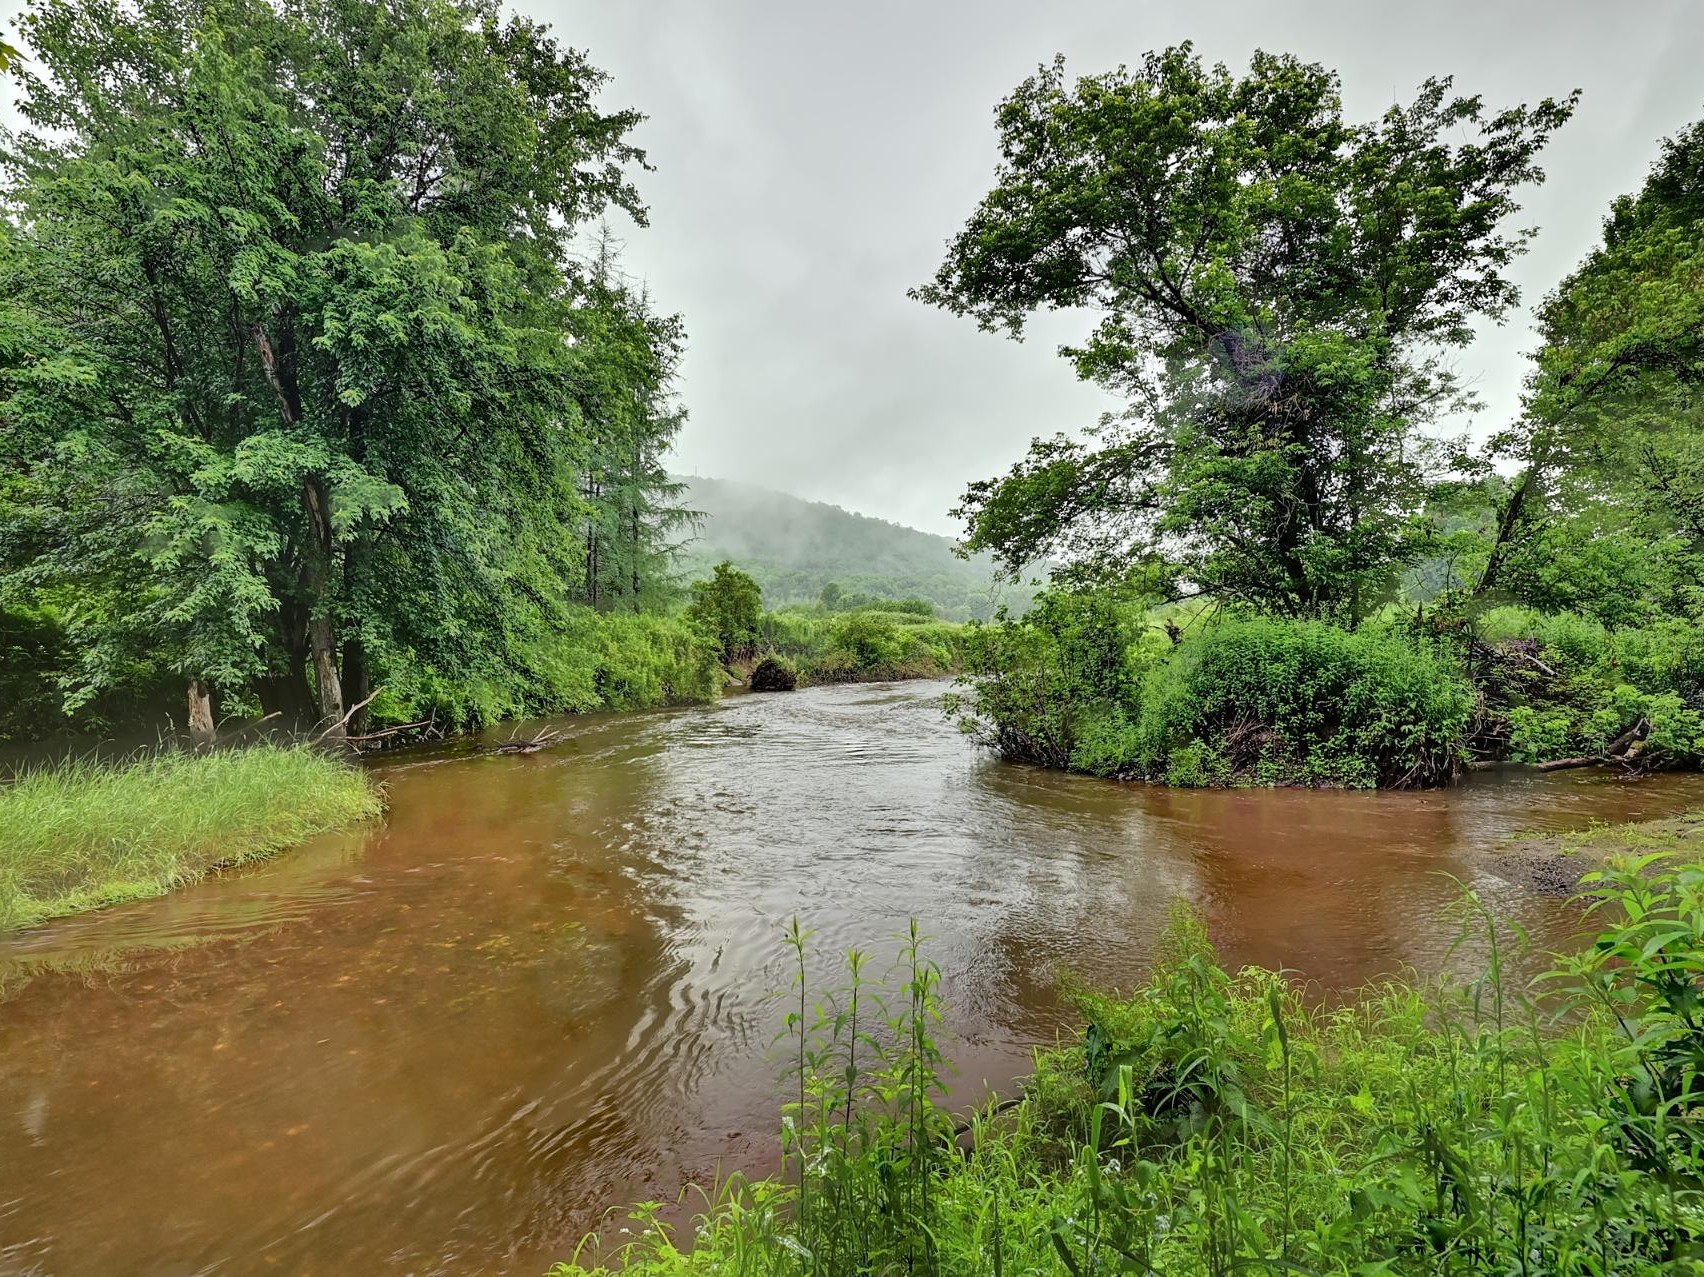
x: 1216, y: 1122
x: 80, y: 835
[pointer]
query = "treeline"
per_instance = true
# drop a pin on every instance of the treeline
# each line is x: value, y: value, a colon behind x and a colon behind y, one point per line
x: 322, y: 396
x: 869, y: 642
x: 1274, y: 565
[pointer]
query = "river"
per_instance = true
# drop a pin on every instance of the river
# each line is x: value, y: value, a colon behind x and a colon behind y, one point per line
x: 546, y: 985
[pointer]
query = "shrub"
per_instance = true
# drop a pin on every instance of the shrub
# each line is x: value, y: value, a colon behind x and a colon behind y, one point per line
x: 586, y: 661
x: 729, y: 605
x: 1302, y: 702
x: 1058, y: 687
x: 1560, y: 686
x: 862, y: 646
x: 1085, y: 682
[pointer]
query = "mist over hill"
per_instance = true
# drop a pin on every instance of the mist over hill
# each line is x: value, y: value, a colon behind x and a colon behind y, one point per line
x: 795, y: 547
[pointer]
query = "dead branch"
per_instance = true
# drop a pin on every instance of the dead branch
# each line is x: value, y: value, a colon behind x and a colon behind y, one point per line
x: 348, y: 714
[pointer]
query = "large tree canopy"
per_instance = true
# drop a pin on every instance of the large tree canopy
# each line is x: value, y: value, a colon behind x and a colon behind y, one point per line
x: 1275, y: 287
x: 1611, y: 446
x: 300, y: 377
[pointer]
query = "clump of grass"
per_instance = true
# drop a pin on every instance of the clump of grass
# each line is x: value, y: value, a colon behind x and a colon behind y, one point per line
x: 1215, y: 1122
x: 79, y: 835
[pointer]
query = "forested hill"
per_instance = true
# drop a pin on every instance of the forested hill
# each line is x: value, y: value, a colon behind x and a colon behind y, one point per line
x: 796, y: 547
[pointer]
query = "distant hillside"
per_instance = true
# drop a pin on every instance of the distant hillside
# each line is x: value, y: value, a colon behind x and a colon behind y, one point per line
x: 796, y: 547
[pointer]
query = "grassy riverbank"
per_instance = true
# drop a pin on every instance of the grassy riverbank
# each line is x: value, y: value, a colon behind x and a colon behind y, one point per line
x: 79, y: 835
x: 1214, y: 1122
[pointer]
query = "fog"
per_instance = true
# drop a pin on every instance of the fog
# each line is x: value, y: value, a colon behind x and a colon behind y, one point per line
x: 811, y: 161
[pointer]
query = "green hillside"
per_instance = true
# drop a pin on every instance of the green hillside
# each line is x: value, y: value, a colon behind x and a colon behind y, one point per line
x: 795, y: 547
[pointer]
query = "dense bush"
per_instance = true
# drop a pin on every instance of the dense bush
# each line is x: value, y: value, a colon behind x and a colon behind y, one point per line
x: 730, y: 606
x: 32, y: 660
x: 1214, y: 1123
x: 1089, y: 683
x: 1286, y: 702
x: 587, y: 661
x: 1056, y: 687
x: 862, y: 646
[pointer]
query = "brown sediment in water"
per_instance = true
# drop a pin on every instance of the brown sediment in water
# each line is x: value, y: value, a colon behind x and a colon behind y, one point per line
x: 545, y: 988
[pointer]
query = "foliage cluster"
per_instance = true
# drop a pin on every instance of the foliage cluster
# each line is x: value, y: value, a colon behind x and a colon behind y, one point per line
x: 1275, y: 284
x: 729, y: 606
x: 583, y: 660
x: 1086, y: 681
x: 309, y: 384
x: 1216, y: 1122
x: 80, y: 835
x: 1565, y: 685
x: 863, y: 646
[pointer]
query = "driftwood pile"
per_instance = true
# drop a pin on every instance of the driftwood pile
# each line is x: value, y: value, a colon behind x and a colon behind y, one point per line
x: 1522, y: 659
x: 1623, y: 751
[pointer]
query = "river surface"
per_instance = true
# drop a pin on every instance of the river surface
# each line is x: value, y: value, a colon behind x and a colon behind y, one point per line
x: 545, y: 986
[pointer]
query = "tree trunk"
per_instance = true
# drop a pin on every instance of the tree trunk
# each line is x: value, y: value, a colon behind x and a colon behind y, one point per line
x: 200, y: 712
x: 1508, y: 524
x: 355, y: 682
x: 322, y: 633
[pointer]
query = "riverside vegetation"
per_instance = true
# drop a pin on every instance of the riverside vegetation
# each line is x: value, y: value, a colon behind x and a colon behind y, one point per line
x: 296, y: 424
x: 325, y: 395
x: 326, y: 398
x: 81, y: 835
x: 327, y: 402
x: 1213, y: 1122
x: 1274, y: 566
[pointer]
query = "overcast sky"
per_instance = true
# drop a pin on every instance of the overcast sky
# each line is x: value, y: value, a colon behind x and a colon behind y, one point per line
x: 812, y: 159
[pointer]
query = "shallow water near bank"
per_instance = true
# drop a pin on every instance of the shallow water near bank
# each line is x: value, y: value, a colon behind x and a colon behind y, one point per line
x: 546, y: 985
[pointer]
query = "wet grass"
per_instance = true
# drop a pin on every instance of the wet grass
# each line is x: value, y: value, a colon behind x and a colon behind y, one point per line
x: 1215, y: 1122
x: 81, y: 835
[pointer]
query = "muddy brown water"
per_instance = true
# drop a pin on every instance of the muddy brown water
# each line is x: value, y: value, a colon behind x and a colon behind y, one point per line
x: 544, y: 987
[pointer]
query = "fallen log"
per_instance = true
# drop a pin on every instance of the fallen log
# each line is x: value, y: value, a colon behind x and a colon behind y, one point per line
x: 529, y: 745
x: 348, y: 714
x: 1622, y: 745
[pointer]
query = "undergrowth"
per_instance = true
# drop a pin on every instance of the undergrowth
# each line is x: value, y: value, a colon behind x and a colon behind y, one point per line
x: 1217, y: 1122
x: 864, y: 646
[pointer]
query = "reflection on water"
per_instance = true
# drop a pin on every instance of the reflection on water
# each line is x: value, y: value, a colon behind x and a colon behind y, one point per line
x: 544, y: 987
